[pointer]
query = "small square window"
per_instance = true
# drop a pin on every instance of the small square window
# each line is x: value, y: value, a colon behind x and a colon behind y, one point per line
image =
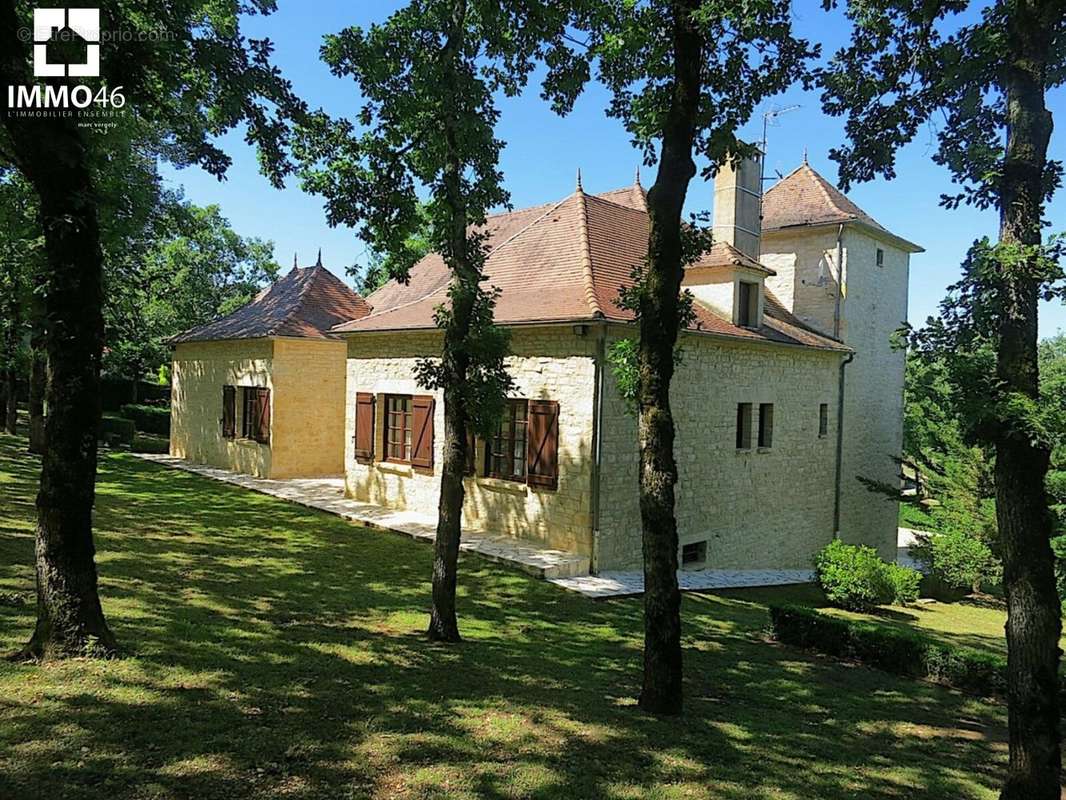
x: 743, y: 426
x: 880, y: 257
x: 823, y: 419
x: 693, y: 554
x: 766, y: 425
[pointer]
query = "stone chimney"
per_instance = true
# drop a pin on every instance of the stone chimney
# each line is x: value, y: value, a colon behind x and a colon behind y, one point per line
x: 738, y: 205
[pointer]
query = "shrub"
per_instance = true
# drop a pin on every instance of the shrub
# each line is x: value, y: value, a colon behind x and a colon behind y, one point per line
x: 852, y: 577
x: 116, y: 431
x: 148, y: 419
x: 903, y: 652
x: 150, y: 444
x: 959, y: 560
x: 904, y: 582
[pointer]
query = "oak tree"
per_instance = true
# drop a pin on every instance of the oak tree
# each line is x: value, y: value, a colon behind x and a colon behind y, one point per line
x: 979, y: 75
x: 684, y: 76
x: 185, y: 69
x: 429, y: 76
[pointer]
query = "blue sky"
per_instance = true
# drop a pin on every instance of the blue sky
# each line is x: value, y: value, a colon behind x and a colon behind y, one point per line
x: 543, y: 153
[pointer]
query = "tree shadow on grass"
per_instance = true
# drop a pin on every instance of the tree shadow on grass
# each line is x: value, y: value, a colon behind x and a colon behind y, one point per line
x: 279, y: 651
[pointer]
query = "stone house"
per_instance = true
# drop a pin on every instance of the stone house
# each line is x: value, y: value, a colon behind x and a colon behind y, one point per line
x: 794, y: 306
x: 261, y: 391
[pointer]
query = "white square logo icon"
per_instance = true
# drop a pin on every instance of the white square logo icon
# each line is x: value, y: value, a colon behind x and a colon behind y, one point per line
x: 68, y: 26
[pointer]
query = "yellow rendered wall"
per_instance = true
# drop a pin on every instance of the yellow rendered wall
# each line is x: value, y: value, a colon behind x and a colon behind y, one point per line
x: 550, y: 363
x: 308, y: 403
x: 199, y: 371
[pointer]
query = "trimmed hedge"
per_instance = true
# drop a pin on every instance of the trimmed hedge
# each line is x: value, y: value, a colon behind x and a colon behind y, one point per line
x: 148, y: 419
x: 116, y: 431
x: 901, y: 652
x: 151, y: 444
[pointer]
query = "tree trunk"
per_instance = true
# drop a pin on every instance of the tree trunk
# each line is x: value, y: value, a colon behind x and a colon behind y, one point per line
x: 12, y: 415
x: 443, y: 624
x: 1034, y: 621
x: 38, y: 378
x: 659, y: 321
x: 51, y: 154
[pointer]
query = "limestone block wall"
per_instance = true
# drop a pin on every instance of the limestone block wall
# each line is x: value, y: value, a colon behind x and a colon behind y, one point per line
x: 550, y: 363
x: 199, y: 371
x: 307, y: 435
x: 805, y: 260
x: 757, y: 509
x: 875, y: 307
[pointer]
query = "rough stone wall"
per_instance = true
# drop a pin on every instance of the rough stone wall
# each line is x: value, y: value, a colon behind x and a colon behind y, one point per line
x: 756, y: 509
x: 549, y: 363
x: 806, y: 279
x: 199, y: 371
x: 307, y: 435
x: 874, y: 305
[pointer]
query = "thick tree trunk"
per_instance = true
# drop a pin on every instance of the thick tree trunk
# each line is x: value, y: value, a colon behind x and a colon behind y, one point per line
x: 38, y: 381
x: 52, y: 156
x: 661, y: 692
x: 1034, y: 621
x: 443, y: 623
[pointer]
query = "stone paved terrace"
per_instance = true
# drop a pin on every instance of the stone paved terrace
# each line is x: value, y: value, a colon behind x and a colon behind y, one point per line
x: 567, y: 570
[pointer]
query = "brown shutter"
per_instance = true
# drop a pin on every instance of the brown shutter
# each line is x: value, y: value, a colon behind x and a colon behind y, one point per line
x: 364, y: 426
x: 262, y: 415
x: 229, y: 411
x: 422, y: 431
x: 542, y: 450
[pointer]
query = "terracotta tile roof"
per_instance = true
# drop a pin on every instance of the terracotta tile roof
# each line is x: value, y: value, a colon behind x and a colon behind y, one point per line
x: 723, y: 254
x: 565, y: 262
x: 803, y: 197
x: 305, y: 303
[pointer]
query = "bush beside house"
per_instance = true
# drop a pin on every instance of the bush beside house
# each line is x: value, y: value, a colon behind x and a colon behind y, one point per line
x: 148, y: 419
x: 857, y: 579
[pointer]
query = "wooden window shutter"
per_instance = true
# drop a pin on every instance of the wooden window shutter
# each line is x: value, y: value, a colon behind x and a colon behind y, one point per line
x: 262, y: 415
x: 364, y: 426
x: 229, y: 411
x: 542, y: 452
x: 422, y: 431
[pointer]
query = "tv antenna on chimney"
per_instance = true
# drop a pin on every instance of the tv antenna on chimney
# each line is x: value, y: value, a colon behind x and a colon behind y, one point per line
x: 768, y: 119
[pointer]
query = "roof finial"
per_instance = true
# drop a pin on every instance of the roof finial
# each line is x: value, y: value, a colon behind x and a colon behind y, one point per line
x: 294, y: 259
x: 636, y: 181
x: 318, y: 263
x: 804, y: 154
x: 579, y: 180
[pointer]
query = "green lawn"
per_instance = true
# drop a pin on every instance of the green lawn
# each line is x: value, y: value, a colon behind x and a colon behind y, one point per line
x: 278, y: 652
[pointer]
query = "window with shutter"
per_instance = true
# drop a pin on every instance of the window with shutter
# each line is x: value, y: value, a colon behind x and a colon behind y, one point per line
x: 505, y: 453
x: 542, y: 451
x: 397, y: 433
x: 248, y: 412
x: 422, y: 428
x: 229, y: 411
x: 364, y: 426
x: 262, y: 429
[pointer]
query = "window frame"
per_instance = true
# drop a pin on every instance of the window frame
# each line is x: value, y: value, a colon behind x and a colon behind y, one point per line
x: 823, y: 420
x: 249, y: 398
x: 747, y: 312
x: 744, y: 426
x: 766, y: 426
x: 406, y: 429
x: 512, y: 438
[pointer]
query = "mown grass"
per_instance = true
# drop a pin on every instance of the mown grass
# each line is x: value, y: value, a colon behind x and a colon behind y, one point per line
x: 273, y: 651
